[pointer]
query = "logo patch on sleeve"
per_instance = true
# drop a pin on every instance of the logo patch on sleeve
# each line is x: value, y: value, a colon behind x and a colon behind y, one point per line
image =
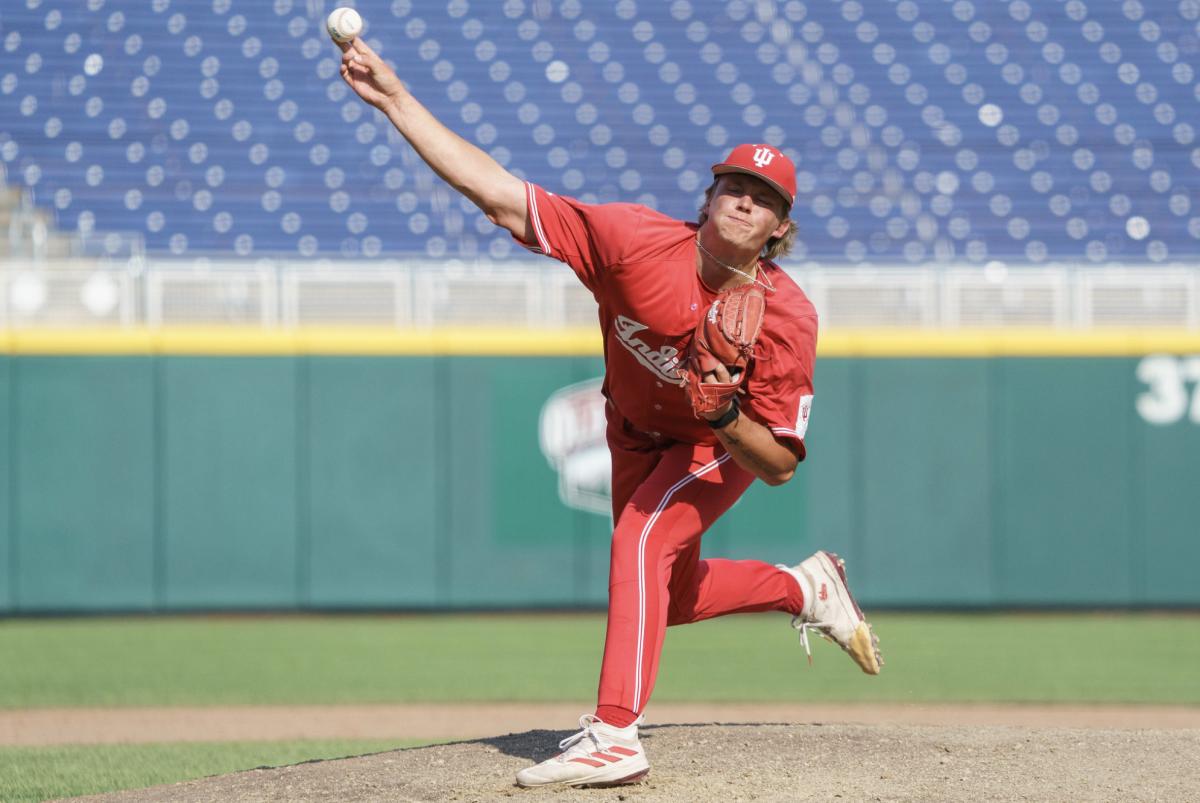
x: 802, y: 415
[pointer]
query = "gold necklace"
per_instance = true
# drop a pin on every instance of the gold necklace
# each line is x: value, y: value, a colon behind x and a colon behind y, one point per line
x: 765, y: 285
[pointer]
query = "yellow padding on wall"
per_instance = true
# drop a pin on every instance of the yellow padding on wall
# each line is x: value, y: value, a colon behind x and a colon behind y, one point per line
x: 1007, y: 343
x: 585, y: 341
x: 255, y: 341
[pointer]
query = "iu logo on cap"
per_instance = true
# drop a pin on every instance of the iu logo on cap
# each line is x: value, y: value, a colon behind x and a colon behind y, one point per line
x: 763, y: 156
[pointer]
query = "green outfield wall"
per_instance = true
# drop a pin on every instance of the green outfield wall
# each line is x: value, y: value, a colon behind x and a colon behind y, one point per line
x: 281, y: 474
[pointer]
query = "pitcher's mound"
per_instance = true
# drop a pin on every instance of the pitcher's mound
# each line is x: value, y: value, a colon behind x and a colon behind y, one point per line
x: 760, y: 762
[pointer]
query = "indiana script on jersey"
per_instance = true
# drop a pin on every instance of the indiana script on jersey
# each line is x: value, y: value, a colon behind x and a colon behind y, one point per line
x: 663, y: 362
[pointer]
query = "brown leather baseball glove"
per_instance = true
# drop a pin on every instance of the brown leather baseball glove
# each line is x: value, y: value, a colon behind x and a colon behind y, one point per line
x: 725, y: 335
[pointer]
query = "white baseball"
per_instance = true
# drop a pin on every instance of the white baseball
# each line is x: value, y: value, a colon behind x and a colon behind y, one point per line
x: 343, y: 24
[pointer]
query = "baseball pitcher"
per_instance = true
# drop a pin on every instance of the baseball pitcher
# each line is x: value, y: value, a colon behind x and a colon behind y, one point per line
x: 708, y: 351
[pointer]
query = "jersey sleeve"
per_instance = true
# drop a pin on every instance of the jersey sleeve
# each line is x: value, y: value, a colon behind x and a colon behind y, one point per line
x: 588, y: 237
x: 780, y: 386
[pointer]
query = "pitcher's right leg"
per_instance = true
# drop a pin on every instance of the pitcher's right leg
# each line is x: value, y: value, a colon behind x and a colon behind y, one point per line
x: 691, y: 486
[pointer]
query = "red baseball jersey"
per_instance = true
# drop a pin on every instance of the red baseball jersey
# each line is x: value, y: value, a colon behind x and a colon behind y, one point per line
x: 641, y: 267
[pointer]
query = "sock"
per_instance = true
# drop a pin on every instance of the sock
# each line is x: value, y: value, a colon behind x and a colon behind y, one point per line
x: 615, y: 716
x: 806, y: 589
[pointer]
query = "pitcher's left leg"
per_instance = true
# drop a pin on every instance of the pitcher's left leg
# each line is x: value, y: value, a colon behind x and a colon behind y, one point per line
x: 703, y: 589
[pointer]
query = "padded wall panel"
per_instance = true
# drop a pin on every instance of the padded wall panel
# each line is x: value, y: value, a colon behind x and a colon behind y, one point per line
x: 509, y: 538
x: 1066, y: 491
x: 926, y: 481
x: 1167, y: 556
x: 8, y: 568
x: 592, y: 533
x: 229, y: 482
x: 85, y: 486
x: 372, y: 492
x: 833, y: 518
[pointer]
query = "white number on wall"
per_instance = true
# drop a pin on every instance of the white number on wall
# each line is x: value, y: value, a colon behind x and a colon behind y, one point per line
x: 1168, y: 397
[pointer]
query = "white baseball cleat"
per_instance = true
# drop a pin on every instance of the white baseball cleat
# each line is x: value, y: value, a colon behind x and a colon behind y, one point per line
x: 599, y: 755
x: 830, y: 609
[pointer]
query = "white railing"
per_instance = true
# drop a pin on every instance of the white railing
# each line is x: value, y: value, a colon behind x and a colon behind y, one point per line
x: 228, y: 293
x: 854, y: 297
x: 427, y: 294
x: 69, y: 297
x: 1149, y: 298
x: 325, y: 295
x: 1004, y: 297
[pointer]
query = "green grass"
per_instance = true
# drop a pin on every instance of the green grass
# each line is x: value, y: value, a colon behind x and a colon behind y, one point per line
x: 1067, y: 658
x: 38, y: 773
x: 1136, y: 658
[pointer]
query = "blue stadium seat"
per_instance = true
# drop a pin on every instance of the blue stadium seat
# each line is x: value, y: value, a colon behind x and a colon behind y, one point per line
x: 933, y: 131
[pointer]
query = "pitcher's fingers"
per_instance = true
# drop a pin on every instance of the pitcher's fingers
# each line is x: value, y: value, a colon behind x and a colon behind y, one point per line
x: 351, y: 67
x: 357, y: 52
x: 369, y: 55
x: 349, y: 54
x: 352, y: 58
x: 354, y: 67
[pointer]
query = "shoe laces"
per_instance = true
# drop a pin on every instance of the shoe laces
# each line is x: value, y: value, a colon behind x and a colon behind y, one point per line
x: 585, y: 723
x: 803, y: 627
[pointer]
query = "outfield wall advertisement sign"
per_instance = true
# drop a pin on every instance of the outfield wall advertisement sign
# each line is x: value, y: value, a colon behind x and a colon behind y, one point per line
x: 571, y: 435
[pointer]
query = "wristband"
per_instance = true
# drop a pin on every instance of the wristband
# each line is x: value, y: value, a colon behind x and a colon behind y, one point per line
x: 728, y: 418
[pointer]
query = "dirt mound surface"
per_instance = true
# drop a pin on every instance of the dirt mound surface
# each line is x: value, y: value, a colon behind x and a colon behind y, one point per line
x: 760, y: 762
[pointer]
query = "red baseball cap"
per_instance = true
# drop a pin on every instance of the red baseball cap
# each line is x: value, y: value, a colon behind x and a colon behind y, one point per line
x: 765, y: 162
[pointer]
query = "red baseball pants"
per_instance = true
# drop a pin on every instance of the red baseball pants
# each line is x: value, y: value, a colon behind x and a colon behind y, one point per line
x: 663, y: 501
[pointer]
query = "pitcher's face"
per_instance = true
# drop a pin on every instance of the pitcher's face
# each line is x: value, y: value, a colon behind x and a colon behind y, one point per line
x: 746, y: 211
